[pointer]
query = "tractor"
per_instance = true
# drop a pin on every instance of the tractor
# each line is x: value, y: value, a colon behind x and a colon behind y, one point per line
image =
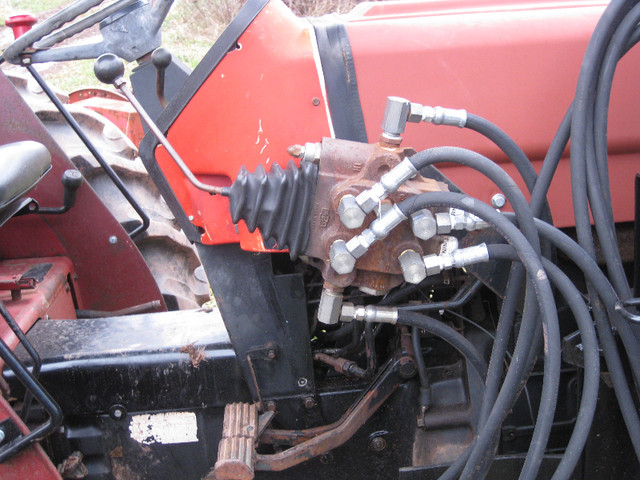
x: 419, y: 221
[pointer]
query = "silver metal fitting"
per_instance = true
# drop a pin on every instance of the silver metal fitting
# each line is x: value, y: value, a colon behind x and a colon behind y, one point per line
x: 369, y: 199
x: 369, y: 313
x: 413, y: 268
x: 459, y: 258
x: 382, y: 226
x: 330, y: 306
x: 394, y: 178
x: 379, y: 229
x: 359, y: 245
x: 457, y: 219
x: 498, y: 200
x: 423, y: 224
x: 340, y: 258
x: 396, y: 112
x: 441, y: 116
x: 350, y: 213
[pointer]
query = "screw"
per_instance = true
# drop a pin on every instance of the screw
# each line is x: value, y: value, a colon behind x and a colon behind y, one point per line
x: 315, y: 101
x: 113, y: 239
x: 498, y: 200
x: 309, y: 403
x: 378, y: 444
x: 2, y: 435
x: 191, y: 218
x: 302, y: 382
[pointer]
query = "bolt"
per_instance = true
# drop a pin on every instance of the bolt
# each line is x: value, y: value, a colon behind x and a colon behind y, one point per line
x: 378, y: 444
x: 340, y: 258
x: 498, y: 200
x: 271, y: 406
x: 309, y: 403
x: 350, y: 213
x: 191, y: 218
x: 271, y: 354
x: 117, y: 413
x: 315, y: 101
x: 296, y: 151
x: 2, y: 435
x: 113, y: 239
x: 302, y: 382
x: 413, y: 268
x: 423, y: 224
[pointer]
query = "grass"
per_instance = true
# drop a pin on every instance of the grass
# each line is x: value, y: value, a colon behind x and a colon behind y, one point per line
x: 190, y: 29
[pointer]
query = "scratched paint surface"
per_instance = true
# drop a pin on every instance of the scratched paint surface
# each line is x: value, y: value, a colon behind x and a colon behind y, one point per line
x: 170, y: 427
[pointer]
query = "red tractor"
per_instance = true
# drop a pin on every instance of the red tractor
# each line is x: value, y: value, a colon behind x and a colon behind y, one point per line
x: 394, y: 300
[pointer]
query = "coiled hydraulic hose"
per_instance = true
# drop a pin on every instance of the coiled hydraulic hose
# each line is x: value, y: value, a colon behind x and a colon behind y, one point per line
x: 544, y: 295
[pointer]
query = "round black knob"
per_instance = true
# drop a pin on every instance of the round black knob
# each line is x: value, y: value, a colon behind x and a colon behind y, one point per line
x: 108, y: 68
x: 161, y: 58
x: 72, y: 179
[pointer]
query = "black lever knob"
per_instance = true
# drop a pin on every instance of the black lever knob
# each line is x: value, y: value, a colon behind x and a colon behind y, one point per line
x: 71, y: 181
x: 108, y: 68
x: 161, y: 58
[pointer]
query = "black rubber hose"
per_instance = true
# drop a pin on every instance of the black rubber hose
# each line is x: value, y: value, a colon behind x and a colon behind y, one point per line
x: 591, y: 366
x: 449, y: 335
x: 544, y: 295
x: 491, y: 170
x: 614, y: 364
x: 425, y: 388
x: 511, y: 149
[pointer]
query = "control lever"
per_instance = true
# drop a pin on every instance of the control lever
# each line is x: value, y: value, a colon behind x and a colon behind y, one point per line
x: 161, y: 59
x: 71, y: 182
x: 109, y: 69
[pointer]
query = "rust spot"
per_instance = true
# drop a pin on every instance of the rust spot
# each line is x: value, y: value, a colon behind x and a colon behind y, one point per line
x: 117, y: 452
x: 196, y: 355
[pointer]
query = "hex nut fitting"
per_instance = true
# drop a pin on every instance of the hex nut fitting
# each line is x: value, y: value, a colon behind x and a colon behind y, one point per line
x: 443, y: 222
x: 359, y: 245
x: 350, y: 213
x: 330, y: 307
x: 340, y: 258
x: 413, y: 267
x: 423, y: 224
x: 432, y: 264
x: 396, y: 112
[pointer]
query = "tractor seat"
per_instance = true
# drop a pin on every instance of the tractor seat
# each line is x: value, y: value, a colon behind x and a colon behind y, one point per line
x: 22, y: 165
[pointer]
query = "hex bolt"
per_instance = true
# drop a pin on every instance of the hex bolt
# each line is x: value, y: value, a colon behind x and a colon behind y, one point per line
x: 423, y: 224
x: 378, y: 444
x: 340, y: 258
x: 413, y: 268
x: 498, y: 200
x: 270, y: 406
x: 309, y: 403
x: 350, y: 213
x: 113, y: 239
x: 302, y: 382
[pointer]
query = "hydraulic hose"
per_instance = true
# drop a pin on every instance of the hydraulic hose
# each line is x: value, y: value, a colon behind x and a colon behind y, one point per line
x: 544, y: 295
x: 449, y: 335
x: 591, y: 359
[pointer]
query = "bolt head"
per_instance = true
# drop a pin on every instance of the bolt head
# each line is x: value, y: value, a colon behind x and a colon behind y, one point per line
x: 302, y: 382
x: 378, y: 444
x: 498, y: 200
x: 423, y: 224
x: 413, y: 268
x: 350, y: 213
x: 443, y: 221
x: 113, y: 239
x: 340, y: 258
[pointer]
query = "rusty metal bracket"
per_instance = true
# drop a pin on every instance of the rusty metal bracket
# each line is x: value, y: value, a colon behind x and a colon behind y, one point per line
x: 267, y: 352
x: 313, y: 442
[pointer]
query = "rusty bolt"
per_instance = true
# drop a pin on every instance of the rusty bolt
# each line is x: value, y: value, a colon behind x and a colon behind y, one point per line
x: 378, y: 444
x: 296, y: 151
x: 309, y: 403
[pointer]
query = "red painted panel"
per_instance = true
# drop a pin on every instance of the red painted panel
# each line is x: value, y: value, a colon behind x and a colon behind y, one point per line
x: 258, y: 101
x: 110, y: 276
x: 516, y: 64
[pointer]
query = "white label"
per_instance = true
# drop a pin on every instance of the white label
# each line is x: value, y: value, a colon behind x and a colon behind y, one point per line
x: 170, y: 427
